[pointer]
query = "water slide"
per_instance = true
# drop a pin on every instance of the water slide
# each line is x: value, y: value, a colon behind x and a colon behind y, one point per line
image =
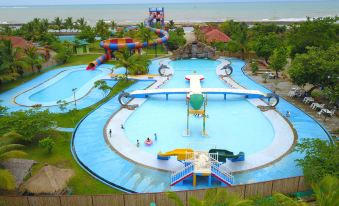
x: 225, y: 154
x: 115, y: 44
x: 181, y: 154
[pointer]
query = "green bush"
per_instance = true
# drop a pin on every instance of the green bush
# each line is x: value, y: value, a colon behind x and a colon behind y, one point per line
x: 47, y: 143
x: 317, y: 94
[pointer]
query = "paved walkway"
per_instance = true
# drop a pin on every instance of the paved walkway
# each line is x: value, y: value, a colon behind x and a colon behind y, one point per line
x: 282, y: 87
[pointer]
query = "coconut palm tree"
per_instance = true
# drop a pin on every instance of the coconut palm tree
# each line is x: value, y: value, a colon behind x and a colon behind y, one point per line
x: 69, y: 23
x: 327, y: 191
x: 113, y: 25
x: 57, y: 22
x: 146, y: 35
x: 8, y: 149
x: 133, y: 63
x: 33, y: 58
x: 102, y: 29
x: 81, y: 23
x: 11, y: 61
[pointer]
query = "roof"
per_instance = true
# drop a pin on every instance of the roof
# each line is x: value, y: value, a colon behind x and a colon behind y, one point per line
x: 217, y: 36
x: 17, y: 41
x: 49, y: 180
x: 206, y: 29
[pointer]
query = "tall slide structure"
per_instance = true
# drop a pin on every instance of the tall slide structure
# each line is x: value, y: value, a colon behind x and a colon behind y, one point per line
x: 115, y: 44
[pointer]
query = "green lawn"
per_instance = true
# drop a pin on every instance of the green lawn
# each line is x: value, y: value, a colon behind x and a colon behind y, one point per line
x: 81, y: 183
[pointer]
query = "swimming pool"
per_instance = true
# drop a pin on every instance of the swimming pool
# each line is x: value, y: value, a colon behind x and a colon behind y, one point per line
x: 61, y: 85
x: 234, y: 124
x: 90, y: 148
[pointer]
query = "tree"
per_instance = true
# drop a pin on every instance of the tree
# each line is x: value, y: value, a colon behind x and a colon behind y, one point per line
x: 320, y: 32
x: 102, y: 29
x: 33, y: 58
x: 9, y: 149
x: 47, y: 143
x: 62, y: 105
x: 87, y: 33
x: 264, y: 45
x: 6, y: 30
x: 103, y: 86
x: 317, y: 67
x: 171, y: 24
x: 69, y: 23
x: 176, y: 40
x: 58, y: 24
x: 133, y: 63
x: 278, y: 60
x: 81, y: 23
x: 321, y: 159
x: 239, y: 38
x: 146, y: 34
x: 23, y: 121
x: 327, y: 191
x: 254, y: 66
x: 213, y: 197
x: 11, y: 61
x: 113, y: 25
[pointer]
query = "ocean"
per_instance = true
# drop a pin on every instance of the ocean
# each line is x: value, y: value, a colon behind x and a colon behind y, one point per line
x: 179, y: 12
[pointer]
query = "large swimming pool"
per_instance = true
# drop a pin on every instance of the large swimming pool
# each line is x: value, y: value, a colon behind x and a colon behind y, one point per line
x: 62, y: 89
x: 234, y: 124
x: 61, y: 86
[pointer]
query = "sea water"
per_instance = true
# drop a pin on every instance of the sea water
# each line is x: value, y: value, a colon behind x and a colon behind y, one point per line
x: 179, y: 12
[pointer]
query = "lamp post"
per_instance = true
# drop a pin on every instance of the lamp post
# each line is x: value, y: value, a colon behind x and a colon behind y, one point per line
x: 75, y: 101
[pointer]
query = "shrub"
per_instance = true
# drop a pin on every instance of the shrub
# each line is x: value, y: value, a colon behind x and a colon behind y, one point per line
x: 47, y: 143
x: 321, y: 159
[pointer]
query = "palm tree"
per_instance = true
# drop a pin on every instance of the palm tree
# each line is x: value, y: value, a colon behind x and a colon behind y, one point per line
x: 171, y: 24
x: 133, y: 63
x: 33, y: 58
x: 8, y: 149
x: 57, y: 23
x: 213, y: 197
x: 11, y: 61
x: 69, y: 23
x: 146, y: 35
x: 113, y: 24
x: 81, y: 23
x: 102, y: 29
x: 327, y: 191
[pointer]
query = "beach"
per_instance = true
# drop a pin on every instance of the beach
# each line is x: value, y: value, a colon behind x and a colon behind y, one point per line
x: 179, y: 12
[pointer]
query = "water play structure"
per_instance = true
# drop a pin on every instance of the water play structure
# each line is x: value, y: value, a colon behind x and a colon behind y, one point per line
x: 198, y: 163
x: 115, y: 44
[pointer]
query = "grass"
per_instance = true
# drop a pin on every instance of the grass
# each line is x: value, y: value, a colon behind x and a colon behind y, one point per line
x: 70, y: 119
x: 81, y: 183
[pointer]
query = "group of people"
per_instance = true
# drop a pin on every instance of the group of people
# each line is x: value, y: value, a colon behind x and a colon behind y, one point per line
x: 148, y: 141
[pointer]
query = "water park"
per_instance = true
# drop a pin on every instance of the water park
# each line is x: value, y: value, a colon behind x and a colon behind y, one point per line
x: 193, y: 119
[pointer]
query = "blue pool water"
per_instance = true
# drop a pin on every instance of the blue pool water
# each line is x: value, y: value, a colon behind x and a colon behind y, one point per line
x: 62, y: 89
x: 96, y: 157
x: 234, y: 124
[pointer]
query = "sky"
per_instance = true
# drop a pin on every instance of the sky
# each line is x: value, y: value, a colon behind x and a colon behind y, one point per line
x: 70, y: 2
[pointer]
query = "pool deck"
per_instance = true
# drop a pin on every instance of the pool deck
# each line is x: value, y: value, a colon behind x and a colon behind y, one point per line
x: 281, y: 145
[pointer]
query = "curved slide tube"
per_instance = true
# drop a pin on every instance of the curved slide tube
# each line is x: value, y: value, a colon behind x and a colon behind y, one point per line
x: 223, y: 155
x: 180, y: 153
x: 116, y: 44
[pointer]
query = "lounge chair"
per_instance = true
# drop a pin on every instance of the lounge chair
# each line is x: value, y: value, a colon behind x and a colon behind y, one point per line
x: 327, y: 112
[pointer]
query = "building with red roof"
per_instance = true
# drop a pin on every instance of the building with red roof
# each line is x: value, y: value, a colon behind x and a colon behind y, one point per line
x: 17, y: 41
x: 216, y: 35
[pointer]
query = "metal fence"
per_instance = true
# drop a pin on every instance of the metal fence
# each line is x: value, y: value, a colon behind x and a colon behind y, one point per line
x: 261, y: 189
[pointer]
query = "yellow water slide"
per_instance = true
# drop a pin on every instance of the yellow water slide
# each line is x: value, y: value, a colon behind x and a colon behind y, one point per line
x: 181, y: 154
